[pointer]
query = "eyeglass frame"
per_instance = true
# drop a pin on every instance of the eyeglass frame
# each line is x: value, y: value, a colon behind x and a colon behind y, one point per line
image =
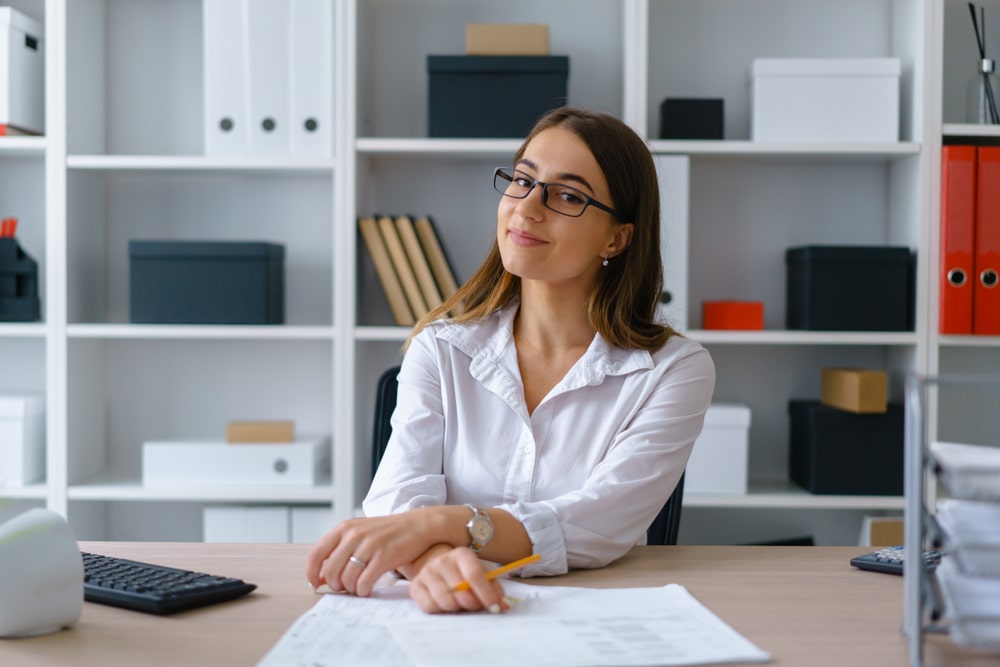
x: 587, y: 199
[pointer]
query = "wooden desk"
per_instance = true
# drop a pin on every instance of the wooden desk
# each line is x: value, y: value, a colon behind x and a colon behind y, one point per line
x: 804, y: 605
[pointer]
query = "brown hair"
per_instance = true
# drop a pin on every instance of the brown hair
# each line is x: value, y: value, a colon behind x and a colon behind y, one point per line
x: 622, y: 306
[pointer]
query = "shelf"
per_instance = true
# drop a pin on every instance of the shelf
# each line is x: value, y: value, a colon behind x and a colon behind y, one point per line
x: 969, y: 341
x: 22, y: 330
x: 196, y: 332
x: 108, y: 487
x: 969, y: 130
x: 444, y: 147
x: 23, y: 146
x: 196, y: 163
x: 756, y: 149
x: 785, y: 495
x: 31, y: 491
x: 783, y: 337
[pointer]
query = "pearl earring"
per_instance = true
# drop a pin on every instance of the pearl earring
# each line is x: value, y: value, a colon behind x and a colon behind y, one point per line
x: 605, y: 262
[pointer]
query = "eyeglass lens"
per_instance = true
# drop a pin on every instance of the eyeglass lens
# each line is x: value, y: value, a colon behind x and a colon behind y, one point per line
x: 556, y: 196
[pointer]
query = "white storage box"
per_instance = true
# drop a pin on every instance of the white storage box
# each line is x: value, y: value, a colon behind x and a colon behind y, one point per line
x: 185, y: 463
x: 22, y: 440
x: 718, y: 462
x: 22, y: 73
x: 247, y: 524
x: 825, y: 100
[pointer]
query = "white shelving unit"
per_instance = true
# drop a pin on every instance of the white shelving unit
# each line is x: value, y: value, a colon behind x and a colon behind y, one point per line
x: 123, y: 159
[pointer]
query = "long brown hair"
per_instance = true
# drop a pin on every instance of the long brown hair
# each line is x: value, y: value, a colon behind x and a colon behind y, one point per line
x: 622, y: 306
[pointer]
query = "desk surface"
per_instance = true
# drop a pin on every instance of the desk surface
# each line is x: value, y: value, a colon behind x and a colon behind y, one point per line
x: 804, y: 605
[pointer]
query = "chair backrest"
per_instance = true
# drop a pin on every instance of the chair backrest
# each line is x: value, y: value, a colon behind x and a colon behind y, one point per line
x: 663, y: 530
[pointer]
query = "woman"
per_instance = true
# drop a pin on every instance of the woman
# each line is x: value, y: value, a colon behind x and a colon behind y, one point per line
x: 555, y: 414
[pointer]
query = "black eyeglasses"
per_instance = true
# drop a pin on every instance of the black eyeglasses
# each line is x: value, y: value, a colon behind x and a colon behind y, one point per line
x: 557, y: 197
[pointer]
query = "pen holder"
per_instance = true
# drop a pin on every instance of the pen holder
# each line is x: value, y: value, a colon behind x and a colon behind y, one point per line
x: 41, y: 575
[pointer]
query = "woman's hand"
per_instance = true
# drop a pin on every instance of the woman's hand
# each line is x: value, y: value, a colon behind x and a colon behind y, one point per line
x: 433, y: 586
x: 357, y: 552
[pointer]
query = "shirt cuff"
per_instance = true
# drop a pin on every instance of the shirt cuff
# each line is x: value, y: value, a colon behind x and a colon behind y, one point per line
x: 546, y: 535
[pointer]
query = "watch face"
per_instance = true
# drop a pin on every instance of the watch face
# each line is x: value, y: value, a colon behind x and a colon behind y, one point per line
x: 482, y: 530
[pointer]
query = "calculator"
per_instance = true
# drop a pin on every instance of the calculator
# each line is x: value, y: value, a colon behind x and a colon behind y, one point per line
x: 890, y: 560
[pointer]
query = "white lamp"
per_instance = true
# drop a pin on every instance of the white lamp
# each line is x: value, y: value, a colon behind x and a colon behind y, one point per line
x: 41, y: 575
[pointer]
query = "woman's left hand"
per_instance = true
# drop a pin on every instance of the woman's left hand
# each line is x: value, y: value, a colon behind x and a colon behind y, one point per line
x: 433, y: 587
x: 357, y: 552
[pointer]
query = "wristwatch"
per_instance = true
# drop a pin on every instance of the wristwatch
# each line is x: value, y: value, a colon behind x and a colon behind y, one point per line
x: 480, y: 528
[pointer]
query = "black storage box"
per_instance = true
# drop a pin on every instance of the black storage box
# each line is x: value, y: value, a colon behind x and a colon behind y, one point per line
x: 840, y: 452
x: 492, y: 96
x: 206, y: 282
x: 691, y: 118
x: 849, y: 288
x: 18, y: 284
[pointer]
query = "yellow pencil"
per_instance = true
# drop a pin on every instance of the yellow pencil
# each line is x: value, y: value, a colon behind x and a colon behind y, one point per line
x: 503, y: 569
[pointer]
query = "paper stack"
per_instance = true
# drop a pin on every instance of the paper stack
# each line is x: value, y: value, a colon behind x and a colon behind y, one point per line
x: 969, y: 577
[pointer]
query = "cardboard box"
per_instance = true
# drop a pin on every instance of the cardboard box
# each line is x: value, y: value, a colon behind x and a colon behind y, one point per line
x: 260, y: 431
x: 849, y: 288
x: 825, y: 100
x: 832, y: 451
x: 206, y: 282
x: 187, y: 462
x: 506, y: 39
x: 718, y: 462
x: 738, y: 315
x: 22, y: 73
x: 493, y: 96
x: 855, y: 389
x: 22, y: 440
x: 881, y: 531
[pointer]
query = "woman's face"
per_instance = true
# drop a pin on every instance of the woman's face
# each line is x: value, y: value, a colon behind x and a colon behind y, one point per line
x: 538, y: 243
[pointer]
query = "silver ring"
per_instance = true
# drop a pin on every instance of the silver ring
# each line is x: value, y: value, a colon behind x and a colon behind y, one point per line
x: 357, y: 561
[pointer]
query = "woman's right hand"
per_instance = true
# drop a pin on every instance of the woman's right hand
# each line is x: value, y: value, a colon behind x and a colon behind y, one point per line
x: 442, y: 569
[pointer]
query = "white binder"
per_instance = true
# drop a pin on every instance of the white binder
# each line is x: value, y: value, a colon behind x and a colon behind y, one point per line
x: 225, y: 81
x: 268, y: 42
x: 311, y: 78
x: 673, y: 173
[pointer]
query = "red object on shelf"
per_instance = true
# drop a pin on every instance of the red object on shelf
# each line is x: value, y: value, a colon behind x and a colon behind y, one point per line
x: 986, y: 291
x: 958, y: 223
x: 742, y: 315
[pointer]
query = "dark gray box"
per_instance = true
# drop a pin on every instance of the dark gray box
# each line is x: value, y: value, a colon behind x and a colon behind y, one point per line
x: 19, y: 300
x: 834, y: 451
x: 206, y: 282
x: 492, y: 96
x: 691, y: 118
x: 849, y: 288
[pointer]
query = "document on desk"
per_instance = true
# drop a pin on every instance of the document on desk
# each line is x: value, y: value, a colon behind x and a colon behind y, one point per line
x: 550, y: 626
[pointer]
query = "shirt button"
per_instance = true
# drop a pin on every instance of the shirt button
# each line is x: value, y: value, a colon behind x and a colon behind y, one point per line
x: 527, y: 449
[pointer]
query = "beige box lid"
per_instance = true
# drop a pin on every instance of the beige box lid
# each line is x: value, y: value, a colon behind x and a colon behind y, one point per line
x: 506, y: 39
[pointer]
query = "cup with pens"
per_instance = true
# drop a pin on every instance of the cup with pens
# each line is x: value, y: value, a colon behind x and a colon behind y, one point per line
x: 983, y: 88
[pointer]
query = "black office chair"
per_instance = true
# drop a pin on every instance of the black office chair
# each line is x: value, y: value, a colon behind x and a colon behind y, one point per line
x: 663, y: 530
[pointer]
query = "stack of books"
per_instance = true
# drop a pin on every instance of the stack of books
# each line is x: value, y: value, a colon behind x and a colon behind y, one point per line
x: 411, y: 264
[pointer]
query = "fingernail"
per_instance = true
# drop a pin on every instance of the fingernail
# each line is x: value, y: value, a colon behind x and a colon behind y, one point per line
x: 495, y: 608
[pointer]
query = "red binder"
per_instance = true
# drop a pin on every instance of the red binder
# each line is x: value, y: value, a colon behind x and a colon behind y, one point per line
x: 986, y: 294
x: 958, y: 220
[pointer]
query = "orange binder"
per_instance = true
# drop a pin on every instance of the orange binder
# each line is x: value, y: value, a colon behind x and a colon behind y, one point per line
x: 986, y: 294
x: 958, y: 220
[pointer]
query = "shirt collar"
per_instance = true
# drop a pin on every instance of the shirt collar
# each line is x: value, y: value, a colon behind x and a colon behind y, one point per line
x: 484, y: 341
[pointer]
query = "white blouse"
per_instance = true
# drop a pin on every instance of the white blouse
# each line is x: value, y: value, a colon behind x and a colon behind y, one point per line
x: 586, y: 473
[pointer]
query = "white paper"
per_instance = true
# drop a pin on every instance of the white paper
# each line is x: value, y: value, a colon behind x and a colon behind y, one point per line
x: 549, y: 626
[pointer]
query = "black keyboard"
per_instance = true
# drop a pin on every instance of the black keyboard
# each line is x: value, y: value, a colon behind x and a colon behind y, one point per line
x: 890, y: 560
x: 154, y: 588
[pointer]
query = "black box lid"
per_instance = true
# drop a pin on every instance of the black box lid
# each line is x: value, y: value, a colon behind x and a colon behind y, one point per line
x: 848, y: 254
x: 205, y: 249
x: 491, y: 64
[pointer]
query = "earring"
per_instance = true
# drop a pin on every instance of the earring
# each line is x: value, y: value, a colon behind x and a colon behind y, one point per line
x: 605, y: 262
